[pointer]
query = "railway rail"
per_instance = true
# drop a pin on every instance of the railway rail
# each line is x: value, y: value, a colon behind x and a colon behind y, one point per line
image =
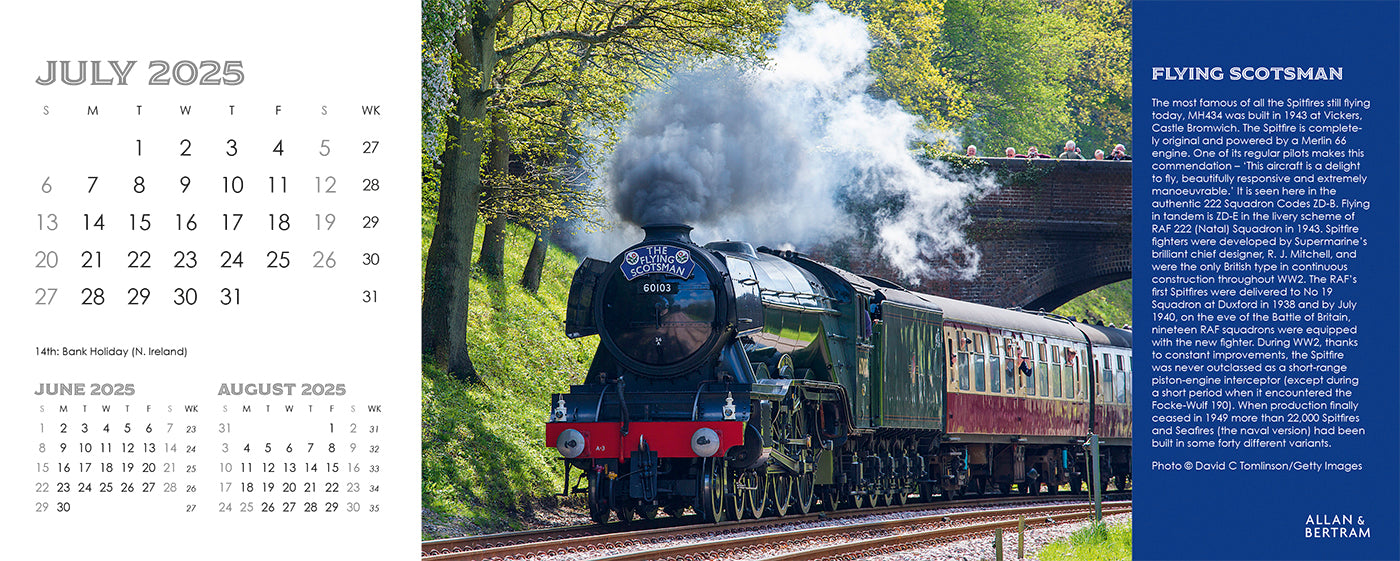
x: 604, y: 541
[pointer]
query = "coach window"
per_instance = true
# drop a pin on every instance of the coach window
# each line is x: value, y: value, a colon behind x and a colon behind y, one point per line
x: 1107, y: 372
x: 1120, y: 382
x: 1009, y: 366
x: 1128, y: 378
x: 994, y: 366
x: 979, y: 364
x: 1042, y: 370
x: 950, y: 351
x: 1025, y: 355
x: 952, y: 356
x: 1070, y: 374
x: 1088, y: 375
x: 1055, y: 370
x: 1082, y: 376
x: 962, y: 361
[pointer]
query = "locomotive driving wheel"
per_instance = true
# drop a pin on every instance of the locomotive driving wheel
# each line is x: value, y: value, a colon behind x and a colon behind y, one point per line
x: 733, y: 498
x: 806, y: 480
x: 806, y: 485
x: 599, y: 497
x: 791, y: 435
x: 780, y: 488
x: 713, y: 485
x: 782, y: 485
x: 756, y: 496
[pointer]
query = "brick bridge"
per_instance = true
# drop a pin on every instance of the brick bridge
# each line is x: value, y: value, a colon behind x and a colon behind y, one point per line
x: 1043, y: 243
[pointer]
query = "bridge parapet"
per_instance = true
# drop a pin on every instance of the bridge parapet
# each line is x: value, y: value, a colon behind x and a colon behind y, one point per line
x: 1059, y: 229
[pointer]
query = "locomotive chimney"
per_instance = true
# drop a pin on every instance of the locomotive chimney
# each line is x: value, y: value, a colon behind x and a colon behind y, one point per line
x: 668, y: 232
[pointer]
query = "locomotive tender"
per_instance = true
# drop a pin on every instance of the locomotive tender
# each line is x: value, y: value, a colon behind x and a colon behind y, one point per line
x: 747, y: 382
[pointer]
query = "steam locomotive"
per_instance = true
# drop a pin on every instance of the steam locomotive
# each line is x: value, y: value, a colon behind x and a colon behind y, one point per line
x: 746, y: 382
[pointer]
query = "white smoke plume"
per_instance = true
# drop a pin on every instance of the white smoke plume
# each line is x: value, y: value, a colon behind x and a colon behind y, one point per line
x: 795, y: 152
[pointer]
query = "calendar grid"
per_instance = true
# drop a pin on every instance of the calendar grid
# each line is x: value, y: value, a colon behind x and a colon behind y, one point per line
x: 212, y: 280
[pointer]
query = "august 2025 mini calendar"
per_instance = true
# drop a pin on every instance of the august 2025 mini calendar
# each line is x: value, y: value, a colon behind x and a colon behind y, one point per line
x: 210, y: 288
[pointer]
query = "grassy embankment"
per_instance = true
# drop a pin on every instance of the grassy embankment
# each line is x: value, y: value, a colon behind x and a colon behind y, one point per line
x: 483, y: 452
x: 1109, y: 304
x: 1092, y: 543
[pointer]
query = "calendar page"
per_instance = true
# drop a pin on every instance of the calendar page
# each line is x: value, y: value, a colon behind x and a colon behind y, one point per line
x: 211, y: 280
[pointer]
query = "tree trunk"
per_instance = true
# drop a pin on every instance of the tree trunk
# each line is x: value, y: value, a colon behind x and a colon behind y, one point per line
x: 447, y: 271
x: 534, y: 267
x: 493, y: 241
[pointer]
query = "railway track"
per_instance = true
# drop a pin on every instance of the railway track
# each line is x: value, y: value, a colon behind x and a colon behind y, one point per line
x: 438, y: 549
x: 601, y: 541
x: 896, y: 542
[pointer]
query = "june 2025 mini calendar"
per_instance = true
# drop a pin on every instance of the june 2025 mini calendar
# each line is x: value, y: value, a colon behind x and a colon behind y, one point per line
x: 210, y: 290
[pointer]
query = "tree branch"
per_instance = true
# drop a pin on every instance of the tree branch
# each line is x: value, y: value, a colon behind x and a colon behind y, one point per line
x: 591, y: 38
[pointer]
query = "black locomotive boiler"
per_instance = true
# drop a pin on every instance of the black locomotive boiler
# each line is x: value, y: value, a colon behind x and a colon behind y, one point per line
x: 746, y: 382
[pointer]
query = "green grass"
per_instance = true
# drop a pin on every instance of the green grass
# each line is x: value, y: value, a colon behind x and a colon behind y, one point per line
x: 1092, y: 543
x: 484, y: 458
x: 1109, y: 304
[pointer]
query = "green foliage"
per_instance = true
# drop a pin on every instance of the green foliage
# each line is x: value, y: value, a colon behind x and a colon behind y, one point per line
x: 1101, y: 88
x: 1096, y: 542
x: 562, y: 79
x: 1013, y: 57
x: 1109, y: 304
x: 1006, y: 72
x: 482, y: 62
x: 484, y: 457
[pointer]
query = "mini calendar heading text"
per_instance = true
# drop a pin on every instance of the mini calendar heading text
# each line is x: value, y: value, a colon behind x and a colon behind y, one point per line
x: 160, y: 73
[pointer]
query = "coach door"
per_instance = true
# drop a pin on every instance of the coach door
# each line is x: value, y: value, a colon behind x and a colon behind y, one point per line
x: 866, y: 333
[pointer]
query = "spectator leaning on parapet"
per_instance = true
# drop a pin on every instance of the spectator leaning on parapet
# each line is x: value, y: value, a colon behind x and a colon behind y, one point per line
x: 1011, y: 153
x: 1119, y: 153
x: 1034, y: 152
x: 972, y: 151
x: 1071, y: 152
x: 1098, y: 154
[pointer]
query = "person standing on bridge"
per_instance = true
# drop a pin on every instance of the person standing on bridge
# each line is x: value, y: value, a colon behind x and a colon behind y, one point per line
x: 972, y: 151
x: 1098, y: 155
x: 1011, y: 153
x: 1119, y: 153
x: 1071, y: 152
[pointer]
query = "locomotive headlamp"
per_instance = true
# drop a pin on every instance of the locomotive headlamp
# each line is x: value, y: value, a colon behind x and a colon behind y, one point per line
x: 570, y: 443
x: 705, y: 442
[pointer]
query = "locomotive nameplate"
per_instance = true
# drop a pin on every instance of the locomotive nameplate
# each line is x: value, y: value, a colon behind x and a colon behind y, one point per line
x: 664, y: 259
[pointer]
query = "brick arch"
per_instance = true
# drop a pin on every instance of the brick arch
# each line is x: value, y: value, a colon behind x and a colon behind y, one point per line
x: 1046, y: 243
x: 1067, y: 281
